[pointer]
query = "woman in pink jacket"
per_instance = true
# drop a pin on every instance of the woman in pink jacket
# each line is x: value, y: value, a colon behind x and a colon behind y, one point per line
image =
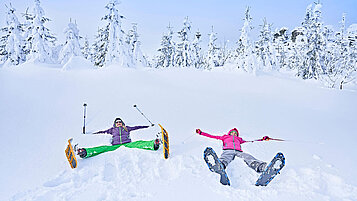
x: 232, y: 148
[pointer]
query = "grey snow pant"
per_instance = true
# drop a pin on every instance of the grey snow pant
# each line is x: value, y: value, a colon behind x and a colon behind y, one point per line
x: 228, y: 156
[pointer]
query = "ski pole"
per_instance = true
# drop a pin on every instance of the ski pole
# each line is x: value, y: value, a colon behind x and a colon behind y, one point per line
x: 267, y: 138
x: 84, y: 119
x: 184, y: 141
x: 144, y: 115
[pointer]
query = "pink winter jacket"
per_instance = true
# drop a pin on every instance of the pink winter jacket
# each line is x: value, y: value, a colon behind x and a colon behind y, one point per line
x: 229, y: 141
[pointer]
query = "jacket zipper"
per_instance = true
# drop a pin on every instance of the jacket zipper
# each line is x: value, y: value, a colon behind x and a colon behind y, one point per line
x: 234, y: 144
x: 120, y: 135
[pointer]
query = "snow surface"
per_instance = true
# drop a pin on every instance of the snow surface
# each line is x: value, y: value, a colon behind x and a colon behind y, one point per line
x: 41, y: 107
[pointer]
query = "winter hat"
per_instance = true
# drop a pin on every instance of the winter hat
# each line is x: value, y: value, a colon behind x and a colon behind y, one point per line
x: 234, y: 129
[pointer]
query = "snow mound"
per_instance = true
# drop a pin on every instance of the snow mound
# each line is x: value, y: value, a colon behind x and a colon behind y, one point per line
x: 78, y: 63
x: 132, y: 174
x: 44, y: 108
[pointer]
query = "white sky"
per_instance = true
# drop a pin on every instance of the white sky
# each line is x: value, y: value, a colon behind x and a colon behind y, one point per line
x: 153, y: 16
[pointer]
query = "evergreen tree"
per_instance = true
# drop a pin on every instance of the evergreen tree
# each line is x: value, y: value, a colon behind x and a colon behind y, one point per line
x: 296, y: 53
x: 132, y: 37
x: 224, y: 53
x: 212, y: 57
x: 134, y: 45
x: 197, y: 51
x: 100, y: 47
x: 86, y: 50
x: 184, y: 49
x: 110, y: 45
x: 167, y: 50
x: 343, y: 63
x: 313, y: 64
x: 264, y: 48
x: 280, y: 44
x: 28, y: 27
x: 71, y: 46
x: 3, y: 41
x: 244, y: 56
x: 138, y: 56
x: 12, y: 43
x: 40, y: 40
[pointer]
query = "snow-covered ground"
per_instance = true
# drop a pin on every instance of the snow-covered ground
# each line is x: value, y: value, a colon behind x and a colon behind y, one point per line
x: 42, y: 106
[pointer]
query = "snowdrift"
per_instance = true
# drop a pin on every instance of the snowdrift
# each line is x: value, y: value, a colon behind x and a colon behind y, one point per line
x: 42, y: 107
x: 77, y: 62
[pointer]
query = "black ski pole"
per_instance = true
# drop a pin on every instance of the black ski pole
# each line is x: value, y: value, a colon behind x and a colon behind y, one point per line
x: 143, y: 115
x: 84, y: 122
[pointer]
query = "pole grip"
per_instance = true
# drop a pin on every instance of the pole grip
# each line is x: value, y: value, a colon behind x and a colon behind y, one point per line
x: 84, y: 118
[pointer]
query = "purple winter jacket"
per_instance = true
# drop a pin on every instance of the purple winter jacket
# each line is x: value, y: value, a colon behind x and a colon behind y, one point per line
x: 120, y: 135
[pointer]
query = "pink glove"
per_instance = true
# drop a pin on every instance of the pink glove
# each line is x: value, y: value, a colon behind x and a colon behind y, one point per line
x: 266, y: 138
x: 198, y: 131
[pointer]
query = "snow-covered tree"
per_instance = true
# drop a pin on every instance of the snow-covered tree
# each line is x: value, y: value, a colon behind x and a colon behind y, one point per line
x: 3, y: 41
x: 184, y: 49
x: 264, y: 47
x: 244, y: 56
x: 135, y: 46
x: 313, y: 64
x: 86, y: 50
x: 138, y: 56
x: 40, y: 40
x: 197, y: 59
x: 212, y: 57
x: 167, y: 50
x: 132, y: 37
x: 343, y: 62
x: 100, y: 47
x: 12, y: 43
x: 296, y: 53
x: 28, y: 31
x: 280, y: 44
x: 224, y: 53
x: 110, y: 45
x: 71, y: 46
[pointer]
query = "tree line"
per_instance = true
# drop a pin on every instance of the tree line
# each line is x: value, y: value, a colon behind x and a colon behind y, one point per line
x: 312, y: 50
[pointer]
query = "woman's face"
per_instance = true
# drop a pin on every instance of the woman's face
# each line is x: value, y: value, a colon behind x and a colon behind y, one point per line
x: 118, y: 123
x: 234, y: 132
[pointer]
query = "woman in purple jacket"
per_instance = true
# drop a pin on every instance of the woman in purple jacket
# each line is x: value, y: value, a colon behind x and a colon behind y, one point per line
x: 120, y: 137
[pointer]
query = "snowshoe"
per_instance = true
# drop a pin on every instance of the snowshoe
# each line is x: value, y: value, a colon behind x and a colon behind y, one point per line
x: 71, y: 157
x: 271, y: 170
x: 165, y: 142
x: 215, y: 165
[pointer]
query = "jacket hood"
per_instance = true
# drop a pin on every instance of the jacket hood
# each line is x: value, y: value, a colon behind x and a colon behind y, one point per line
x: 234, y: 129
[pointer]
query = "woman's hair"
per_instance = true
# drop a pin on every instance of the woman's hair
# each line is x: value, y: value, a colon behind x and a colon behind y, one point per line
x: 119, y: 119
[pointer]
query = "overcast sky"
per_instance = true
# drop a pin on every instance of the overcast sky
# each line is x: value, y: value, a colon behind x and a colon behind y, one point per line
x: 153, y: 16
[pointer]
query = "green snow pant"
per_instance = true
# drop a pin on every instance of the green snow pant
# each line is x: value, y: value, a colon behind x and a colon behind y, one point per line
x: 147, y: 145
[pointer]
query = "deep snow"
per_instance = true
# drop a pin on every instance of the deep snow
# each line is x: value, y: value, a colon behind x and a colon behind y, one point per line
x: 42, y: 106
